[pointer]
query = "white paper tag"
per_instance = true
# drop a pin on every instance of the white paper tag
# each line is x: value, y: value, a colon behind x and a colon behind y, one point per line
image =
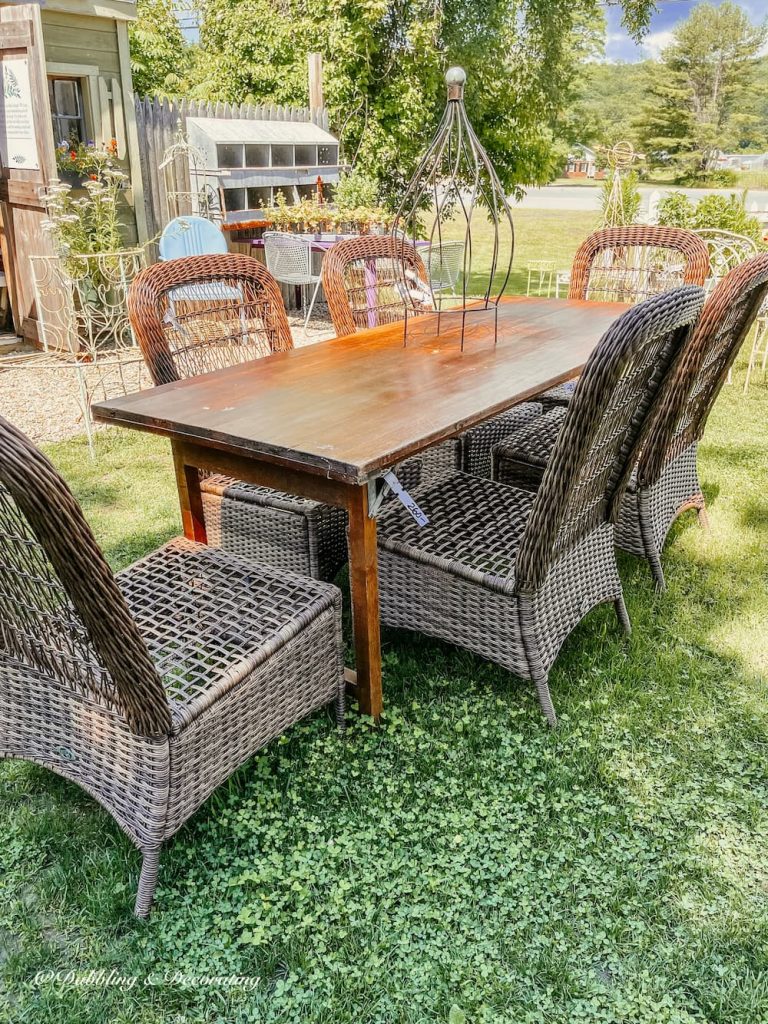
x: 405, y: 499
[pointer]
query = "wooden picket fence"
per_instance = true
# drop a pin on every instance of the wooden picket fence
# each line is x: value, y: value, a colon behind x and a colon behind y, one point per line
x: 158, y: 121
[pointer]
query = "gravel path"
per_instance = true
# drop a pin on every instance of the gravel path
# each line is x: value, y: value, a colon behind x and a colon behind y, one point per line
x: 44, y: 401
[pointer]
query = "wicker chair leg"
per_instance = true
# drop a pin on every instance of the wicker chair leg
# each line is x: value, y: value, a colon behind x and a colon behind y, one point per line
x: 545, y: 700
x: 652, y: 554
x: 622, y: 615
x: 341, y: 707
x: 656, y: 571
x: 147, y: 882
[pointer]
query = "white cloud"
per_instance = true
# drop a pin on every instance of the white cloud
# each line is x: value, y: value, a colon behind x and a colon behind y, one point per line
x: 655, y: 42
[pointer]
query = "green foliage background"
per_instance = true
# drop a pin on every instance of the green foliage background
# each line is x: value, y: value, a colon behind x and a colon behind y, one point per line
x: 384, y: 63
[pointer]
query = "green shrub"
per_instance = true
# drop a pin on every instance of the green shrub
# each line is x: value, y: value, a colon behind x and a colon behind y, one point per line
x: 726, y: 213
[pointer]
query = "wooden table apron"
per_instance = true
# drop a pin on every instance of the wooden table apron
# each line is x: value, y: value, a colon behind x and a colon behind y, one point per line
x: 332, y: 417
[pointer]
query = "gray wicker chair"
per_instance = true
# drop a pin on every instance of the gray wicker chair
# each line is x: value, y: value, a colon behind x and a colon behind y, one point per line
x: 665, y: 482
x: 204, y: 313
x: 628, y: 264
x: 363, y: 280
x: 149, y: 688
x: 508, y: 573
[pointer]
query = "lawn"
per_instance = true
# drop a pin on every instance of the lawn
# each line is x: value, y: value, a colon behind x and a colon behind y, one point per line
x: 463, y: 863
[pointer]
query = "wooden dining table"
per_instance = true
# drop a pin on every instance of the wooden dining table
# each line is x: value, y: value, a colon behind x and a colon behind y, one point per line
x: 328, y: 420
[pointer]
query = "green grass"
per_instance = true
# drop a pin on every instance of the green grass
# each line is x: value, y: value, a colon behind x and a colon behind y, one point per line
x: 463, y: 862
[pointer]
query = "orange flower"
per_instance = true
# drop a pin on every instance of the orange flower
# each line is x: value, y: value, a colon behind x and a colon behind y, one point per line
x: 73, y: 155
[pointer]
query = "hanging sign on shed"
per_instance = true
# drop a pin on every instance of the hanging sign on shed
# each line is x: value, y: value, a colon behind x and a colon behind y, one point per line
x: 17, y: 124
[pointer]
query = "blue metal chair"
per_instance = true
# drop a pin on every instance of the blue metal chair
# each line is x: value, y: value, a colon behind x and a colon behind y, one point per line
x: 194, y: 236
x: 191, y: 236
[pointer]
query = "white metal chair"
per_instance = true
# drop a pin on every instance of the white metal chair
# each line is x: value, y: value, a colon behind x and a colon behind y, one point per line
x: 289, y: 261
x: 727, y: 250
x: 444, y: 262
x: 540, y: 274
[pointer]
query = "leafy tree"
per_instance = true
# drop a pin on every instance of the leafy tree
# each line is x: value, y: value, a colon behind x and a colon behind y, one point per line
x: 604, y: 110
x: 701, y: 94
x: 160, y: 58
x: 384, y: 64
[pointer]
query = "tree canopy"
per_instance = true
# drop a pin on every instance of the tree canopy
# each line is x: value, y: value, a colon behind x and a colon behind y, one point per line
x: 702, y: 94
x: 160, y: 59
x: 384, y: 61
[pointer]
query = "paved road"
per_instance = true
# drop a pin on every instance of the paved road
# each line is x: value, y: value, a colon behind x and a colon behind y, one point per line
x: 582, y: 197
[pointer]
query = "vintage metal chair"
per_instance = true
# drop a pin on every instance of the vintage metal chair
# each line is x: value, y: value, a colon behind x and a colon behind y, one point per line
x: 148, y: 688
x: 444, y: 262
x: 629, y: 264
x: 191, y: 236
x: 665, y: 482
x: 205, y: 313
x: 289, y: 261
x: 363, y: 279
x: 727, y: 250
x: 509, y: 573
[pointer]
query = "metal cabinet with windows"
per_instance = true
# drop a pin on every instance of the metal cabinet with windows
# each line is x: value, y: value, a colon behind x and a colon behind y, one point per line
x: 253, y: 161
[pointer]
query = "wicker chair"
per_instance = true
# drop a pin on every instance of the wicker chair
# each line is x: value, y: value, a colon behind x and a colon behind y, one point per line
x: 363, y: 283
x: 629, y: 264
x: 508, y: 573
x: 149, y: 688
x: 665, y: 482
x: 205, y: 313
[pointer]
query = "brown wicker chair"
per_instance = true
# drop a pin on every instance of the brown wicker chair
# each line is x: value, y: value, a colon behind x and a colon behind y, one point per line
x: 204, y: 313
x: 363, y: 280
x: 629, y: 264
x: 665, y: 482
x: 508, y: 573
x: 149, y: 688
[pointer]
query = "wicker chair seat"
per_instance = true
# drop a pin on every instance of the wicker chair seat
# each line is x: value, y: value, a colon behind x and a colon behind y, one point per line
x: 465, y: 535
x: 521, y: 459
x: 209, y: 620
x: 559, y: 395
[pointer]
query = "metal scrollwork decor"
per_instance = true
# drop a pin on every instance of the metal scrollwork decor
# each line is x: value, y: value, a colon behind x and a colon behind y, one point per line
x: 456, y: 211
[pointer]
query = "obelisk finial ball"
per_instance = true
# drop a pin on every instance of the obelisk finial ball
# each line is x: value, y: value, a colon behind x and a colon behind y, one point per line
x: 455, y: 78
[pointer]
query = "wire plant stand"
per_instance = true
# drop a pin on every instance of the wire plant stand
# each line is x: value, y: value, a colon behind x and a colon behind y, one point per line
x: 457, y: 192
x: 84, y: 325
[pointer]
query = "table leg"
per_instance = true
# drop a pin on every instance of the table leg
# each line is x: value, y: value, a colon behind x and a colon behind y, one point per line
x: 190, y: 498
x: 364, y: 586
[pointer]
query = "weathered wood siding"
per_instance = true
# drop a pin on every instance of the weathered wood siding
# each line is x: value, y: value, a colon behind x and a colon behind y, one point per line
x: 79, y: 39
x: 86, y: 40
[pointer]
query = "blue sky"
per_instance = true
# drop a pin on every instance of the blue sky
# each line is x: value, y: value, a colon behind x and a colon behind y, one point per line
x: 620, y: 47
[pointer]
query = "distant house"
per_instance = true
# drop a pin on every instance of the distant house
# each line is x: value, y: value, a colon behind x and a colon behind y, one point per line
x: 582, y: 163
x: 743, y: 161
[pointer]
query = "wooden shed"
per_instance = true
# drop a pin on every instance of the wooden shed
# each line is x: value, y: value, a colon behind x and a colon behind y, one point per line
x: 72, y: 62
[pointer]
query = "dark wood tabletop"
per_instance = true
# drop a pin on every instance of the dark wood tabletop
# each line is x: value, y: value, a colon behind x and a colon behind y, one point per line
x: 350, y: 407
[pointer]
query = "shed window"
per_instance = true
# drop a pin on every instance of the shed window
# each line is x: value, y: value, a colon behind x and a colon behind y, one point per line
x: 305, y: 156
x: 234, y: 199
x: 229, y: 155
x: 257, y: 155
x: 258, y: 196
x: 66, y: 99
x: 282, y: 156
